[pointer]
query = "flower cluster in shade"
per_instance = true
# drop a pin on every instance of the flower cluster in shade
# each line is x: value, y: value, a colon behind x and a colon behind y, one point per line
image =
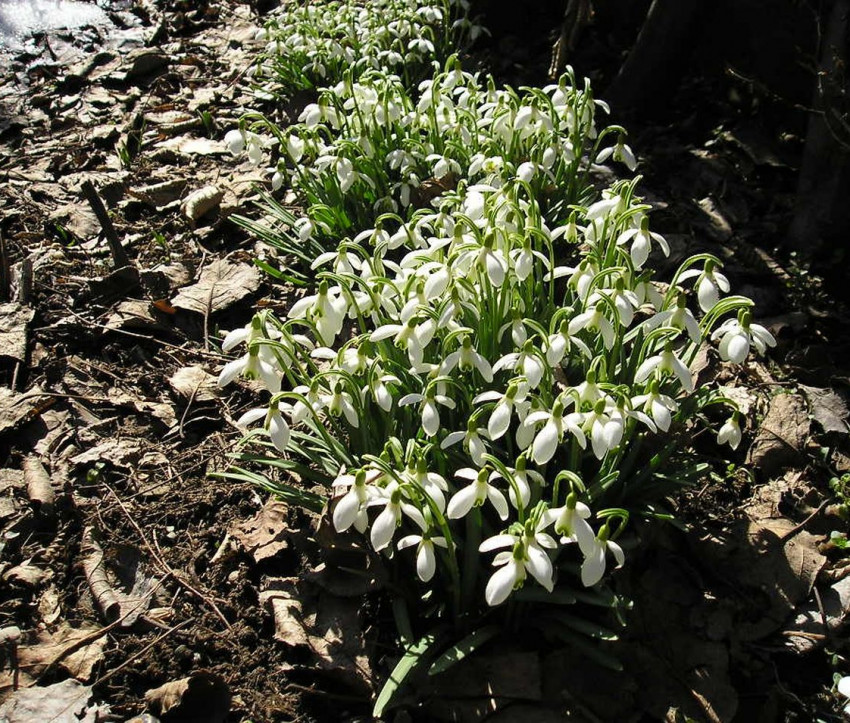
x: 449, y: 369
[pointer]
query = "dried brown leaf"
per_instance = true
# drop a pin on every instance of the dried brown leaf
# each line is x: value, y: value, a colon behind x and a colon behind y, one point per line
x: 202, y: 696
x: 50, y: 647
x: 265, y: 535
x: 193, y: 382
x: 65, y: 702
x: 221, y: 285
x: 14, y: 319
x: 329, y: 626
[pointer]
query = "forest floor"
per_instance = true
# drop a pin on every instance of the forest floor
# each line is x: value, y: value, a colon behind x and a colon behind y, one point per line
x: 140, y: 582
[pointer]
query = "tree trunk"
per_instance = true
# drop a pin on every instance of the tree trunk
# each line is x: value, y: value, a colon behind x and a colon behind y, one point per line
x: 653, y: 66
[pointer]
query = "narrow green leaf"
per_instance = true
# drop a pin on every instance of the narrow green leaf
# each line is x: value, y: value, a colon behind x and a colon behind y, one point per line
x: 465, y: 647
x: 411, y: 660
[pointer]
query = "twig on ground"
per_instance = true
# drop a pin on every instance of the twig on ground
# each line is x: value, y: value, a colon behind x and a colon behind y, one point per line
x: 166, y: 568
x: 119, y: 255
x: 794, y: 530
x: 144, y: 650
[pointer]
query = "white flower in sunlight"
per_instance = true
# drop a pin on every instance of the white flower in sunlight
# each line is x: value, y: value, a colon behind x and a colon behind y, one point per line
x: 500, y: 417
x: 527, y: 555
x: 619, y: 152
x: 345, y: 173
x: 252, y: 366
x: 412, y: 336
x: 426, y: 559
x: 560, y: 344
x: 604, y: 424
x: 275, y: 424
x: 679, y: 317
x: 557, y: 423
x: 659, y: 407
x: 476, y: 494
x: 386, y: 523
x: 527, y: 362
x: 594, y: 320
x: 350, y: 509
x: 593, y: 567
x: 340, y: 403
x: 666, y: 362
x: 641, y: 238
x: 466, y: 359
x: 730, y: 432
x: 235, y: 141
x: 709, y: 283
x: 428, y: 409
x: 736, y: 336
x: 326, y: 310
x: 295, y: 148
x: 473, y: 442
x: 571, y: 522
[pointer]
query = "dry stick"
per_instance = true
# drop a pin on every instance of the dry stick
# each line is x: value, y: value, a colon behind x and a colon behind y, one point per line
x: 144, y: 650
x: 794, y: 530
x: 164, y: 565
x: 82, y: 642
x: 119, y: 255
x: 5, y: 279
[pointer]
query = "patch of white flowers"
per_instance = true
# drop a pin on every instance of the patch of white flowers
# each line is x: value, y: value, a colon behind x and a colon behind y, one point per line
x: 468, y: 388
x: 369, y: 150
x: 311, y: 44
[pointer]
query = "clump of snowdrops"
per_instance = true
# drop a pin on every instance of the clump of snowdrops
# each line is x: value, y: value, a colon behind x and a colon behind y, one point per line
x: 479, y: 410
x: 312, y: 44
x: 369, y: 152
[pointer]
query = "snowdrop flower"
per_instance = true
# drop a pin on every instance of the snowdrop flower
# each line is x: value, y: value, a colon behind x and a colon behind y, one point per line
x: 619, y: 152
x: 709, y: 284
x: 625, y: 301
x: 428, y: 409
x: 433, y: 484
x: 558, y: 422
x: 560, y: 344
x: 476, y: 494
x: 500, y: 417
x: 659, y: 407
x: 295, y: 148
x: 326, y: 310
x: 473, y: 444
x: 385, y: 524
x: 350, y: 509
x: 604, y: 426
x: 527, y: 555
x: 641, y: 238
x: 571, y: 522
x: 523, y: 260
x: 736, y: 335
x: 339, y: 403
x: 251, y: 366
x: 412, y: 336
x: 274, y: 424
x: 666, y: 362
x: 527, y: 362
x: 235, y: 141
x: 679, y: 318
x: 522, y: 480
x: 377, y: 387
x: 426, y: 560
x: 593, y: 567
x: 594, y: 320
x: 466, y: 359
x: 730, y: 432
